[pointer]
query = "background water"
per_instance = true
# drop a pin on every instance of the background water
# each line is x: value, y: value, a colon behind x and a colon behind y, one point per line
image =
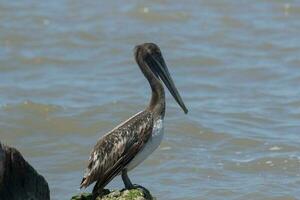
x: 67, y: 75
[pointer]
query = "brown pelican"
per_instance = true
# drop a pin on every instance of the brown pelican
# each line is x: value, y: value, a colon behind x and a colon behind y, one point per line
x: 130, y: 143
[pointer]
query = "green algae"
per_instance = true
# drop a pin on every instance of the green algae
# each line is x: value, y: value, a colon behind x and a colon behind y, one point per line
x: 133, y: 194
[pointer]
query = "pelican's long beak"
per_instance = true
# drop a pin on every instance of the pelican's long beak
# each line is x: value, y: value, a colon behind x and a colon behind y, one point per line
x: 161, y: 69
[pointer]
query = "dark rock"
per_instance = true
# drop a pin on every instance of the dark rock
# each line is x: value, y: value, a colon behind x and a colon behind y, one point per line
x: 18, y: 179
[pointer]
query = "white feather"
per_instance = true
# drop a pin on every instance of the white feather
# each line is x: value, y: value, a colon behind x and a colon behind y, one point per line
x: 150, y: 146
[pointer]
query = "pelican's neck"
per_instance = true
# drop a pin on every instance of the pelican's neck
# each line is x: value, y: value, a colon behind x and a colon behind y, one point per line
x: 157, y: 102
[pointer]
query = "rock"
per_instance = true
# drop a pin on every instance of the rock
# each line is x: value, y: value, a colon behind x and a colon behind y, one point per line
x: 133, y: 194
x: 18, y: 179
x: 82, y: 196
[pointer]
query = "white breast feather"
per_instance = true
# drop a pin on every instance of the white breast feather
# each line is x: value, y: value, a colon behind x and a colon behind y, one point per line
x: 150, y: 146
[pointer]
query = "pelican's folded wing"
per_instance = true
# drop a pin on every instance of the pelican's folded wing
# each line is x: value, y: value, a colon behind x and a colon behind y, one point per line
x: 116, y: 149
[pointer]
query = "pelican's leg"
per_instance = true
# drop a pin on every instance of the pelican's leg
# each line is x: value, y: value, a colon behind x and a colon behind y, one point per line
x: 129, y: 185
x: 98, y: 191
x: 126, y: 180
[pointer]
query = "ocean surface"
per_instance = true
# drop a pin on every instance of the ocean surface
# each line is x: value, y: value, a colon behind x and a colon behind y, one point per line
x: 67, y: 76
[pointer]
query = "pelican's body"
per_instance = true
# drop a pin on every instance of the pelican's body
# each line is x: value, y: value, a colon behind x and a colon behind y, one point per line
x: 130, y: 143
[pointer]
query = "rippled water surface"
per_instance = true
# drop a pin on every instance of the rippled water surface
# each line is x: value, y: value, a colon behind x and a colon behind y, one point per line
x: 67, y: 76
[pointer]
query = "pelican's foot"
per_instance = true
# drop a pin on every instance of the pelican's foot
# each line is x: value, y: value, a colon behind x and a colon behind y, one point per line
x: 144, y: 190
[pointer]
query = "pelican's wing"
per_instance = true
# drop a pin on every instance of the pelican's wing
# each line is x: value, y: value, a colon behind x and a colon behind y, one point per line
x: 117, y: 148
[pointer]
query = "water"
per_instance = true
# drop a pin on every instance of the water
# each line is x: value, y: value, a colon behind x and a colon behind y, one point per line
x: 67, y: 75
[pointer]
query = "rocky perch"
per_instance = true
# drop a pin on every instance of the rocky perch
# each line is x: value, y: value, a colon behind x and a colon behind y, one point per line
x: 134, y: 194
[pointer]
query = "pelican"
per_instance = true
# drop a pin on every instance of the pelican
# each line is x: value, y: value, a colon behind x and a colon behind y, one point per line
x: 131, y: 142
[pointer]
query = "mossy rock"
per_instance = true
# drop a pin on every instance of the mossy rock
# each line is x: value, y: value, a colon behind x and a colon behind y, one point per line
x: 134, y: 194
x: 82, y: 196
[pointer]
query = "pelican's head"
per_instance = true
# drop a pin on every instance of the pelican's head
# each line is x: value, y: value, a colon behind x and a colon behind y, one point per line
x: 149, y: 55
